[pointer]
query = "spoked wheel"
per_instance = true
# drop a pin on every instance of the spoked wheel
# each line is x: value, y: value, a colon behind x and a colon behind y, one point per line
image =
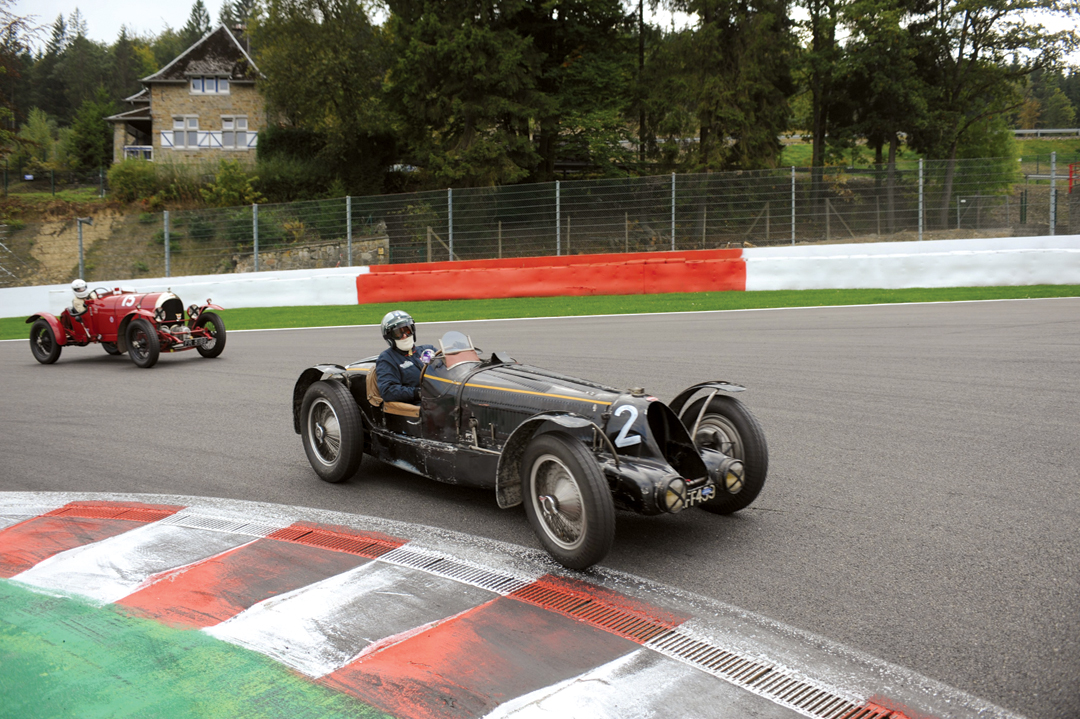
x: 567, y: 501
x: 111, y: 348
x: 332, y: 431
x: 216, y: 329
x: 142, y: 340
x: 43, y: 343
x: 729, y: 427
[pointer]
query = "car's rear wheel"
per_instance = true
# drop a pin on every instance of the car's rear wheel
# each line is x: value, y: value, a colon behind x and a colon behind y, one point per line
x: 729, y: 427
x: 43, y: 343
x: 142, y: 340
x: 332, y: 431
x: 211, y: 321
x: 567, y: 500
x: 111, y: 348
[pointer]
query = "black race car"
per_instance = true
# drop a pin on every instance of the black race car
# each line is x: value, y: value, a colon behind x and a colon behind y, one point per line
x: 572, y: 450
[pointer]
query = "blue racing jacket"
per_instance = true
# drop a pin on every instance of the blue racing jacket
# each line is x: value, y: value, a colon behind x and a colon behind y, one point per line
x: 398, y: 373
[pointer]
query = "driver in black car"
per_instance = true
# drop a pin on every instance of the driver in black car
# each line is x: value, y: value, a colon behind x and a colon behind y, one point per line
x: 398, y: 368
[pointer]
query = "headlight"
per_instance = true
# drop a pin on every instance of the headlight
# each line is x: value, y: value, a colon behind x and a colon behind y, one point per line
x: 732, y: 474
x: 674, y: 497
x: 193, y: 312
x: 159, y: 314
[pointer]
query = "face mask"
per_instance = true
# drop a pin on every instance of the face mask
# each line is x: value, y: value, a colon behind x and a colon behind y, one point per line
x: 406, y: 344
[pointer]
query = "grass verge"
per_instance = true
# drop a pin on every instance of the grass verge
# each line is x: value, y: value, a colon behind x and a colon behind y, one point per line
x: 455, y: 310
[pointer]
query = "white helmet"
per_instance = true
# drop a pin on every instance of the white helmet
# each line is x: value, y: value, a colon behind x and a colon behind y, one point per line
x: 79, y: 288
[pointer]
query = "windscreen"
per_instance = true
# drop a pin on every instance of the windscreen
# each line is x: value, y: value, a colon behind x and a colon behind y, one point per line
x: 453, y: 342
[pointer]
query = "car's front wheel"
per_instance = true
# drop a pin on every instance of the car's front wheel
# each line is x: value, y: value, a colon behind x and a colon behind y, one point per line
x: 43, y: 343
x: 728, y: 426
x: 143, y: 345
x: 567, y: 500
x: 211, y: 322
x: 332, y: 431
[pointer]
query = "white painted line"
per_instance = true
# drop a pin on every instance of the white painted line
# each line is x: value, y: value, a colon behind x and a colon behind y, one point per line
x: 319, y: 628
x: 113, y: 568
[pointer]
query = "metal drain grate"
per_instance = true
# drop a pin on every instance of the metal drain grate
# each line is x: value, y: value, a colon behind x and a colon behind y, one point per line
x: 219, y: 524
x: 135, y: 514
x: 459, y: 571
x: 359, y: 543
x: 764, y: 679
x: 636, y: 627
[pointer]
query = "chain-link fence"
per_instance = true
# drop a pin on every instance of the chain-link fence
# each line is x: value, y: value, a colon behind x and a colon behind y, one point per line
x: 908, y: 201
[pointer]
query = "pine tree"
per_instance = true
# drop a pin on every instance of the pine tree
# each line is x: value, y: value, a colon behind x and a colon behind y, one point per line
x: 198, y: 24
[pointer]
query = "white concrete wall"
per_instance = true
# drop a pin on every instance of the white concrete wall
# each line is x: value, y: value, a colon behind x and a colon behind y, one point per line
x: 933, y: 263
x: 327, y: 286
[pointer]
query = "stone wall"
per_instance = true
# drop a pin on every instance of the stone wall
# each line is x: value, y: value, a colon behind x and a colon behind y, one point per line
x: 368, y: 251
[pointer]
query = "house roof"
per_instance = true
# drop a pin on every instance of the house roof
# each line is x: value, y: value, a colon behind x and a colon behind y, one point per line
x: 217, y: 53
x: 139, y: 113
x: 142, y: 95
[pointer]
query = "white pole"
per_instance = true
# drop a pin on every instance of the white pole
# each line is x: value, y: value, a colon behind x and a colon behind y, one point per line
x: 82, y: 269
x: 166, y: 243
x: 255, y: 232
x: 348, y: 225
x: 673, y: 212
x: 450, y: 219
x: 1053, y: 192
x: 558, y: 221
x: 793, y: 204
x: 920, y: 199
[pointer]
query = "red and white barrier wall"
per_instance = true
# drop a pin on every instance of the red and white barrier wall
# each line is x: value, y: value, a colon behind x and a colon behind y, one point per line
x: 888, y: 265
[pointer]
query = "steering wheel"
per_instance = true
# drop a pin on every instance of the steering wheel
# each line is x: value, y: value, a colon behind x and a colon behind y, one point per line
x: 98, y: 292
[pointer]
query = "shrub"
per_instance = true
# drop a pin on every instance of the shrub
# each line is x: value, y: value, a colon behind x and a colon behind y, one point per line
x: 146, y: 218
x: 133, y: 179
x: 232, y: 186
x: 285, y: 179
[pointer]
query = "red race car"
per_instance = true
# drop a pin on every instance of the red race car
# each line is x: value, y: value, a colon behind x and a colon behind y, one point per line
x: 142, y: 324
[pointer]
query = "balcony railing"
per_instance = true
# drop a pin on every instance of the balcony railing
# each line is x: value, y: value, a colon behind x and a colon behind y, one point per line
x: 209, y: 139
x: 139, y: 152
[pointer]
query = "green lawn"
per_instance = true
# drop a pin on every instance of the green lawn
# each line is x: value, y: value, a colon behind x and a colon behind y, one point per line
x: 336, y: 315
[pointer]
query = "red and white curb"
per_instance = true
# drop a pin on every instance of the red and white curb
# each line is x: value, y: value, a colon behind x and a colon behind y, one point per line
x: 422, y: 622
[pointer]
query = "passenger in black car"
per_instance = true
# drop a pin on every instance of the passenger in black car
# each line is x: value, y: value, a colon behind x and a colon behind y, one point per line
x: 398, y: 368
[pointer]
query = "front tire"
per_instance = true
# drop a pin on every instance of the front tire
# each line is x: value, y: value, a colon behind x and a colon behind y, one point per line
x: 43, y: 343
x: 216, y: 329
x: 567, y: 501
x: 332, y: 431
x: 143, y: 346
x: 729, y: 427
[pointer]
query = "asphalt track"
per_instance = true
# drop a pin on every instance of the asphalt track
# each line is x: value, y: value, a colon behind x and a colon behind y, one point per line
x: 921, y: 504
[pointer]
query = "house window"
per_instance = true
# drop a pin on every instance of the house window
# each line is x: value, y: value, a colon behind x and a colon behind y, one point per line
x: 186, y: 132
x: 210, y: 85
x: 234, y: 133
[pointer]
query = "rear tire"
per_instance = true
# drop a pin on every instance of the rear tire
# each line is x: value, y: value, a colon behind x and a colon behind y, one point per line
x: 567, y: 500
x: 43, y: 343
x: 217, y: 330
x: 143, y: 346
x: 332, y: 431
x: 111, y: 348
x: 729, y: 427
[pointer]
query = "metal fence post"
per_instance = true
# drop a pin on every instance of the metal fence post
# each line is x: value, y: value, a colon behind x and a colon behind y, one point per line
x: 920, y: 199
x: 52, y: 181
x: 450, y: 219
x: 101, y: 181
x: 166, y: 213
x: 348, y: 225
x: 558, y: 221
x: 1053, y: 192
x: 82, y: 271
x: 793, y: 204
x: 673, y: 212
x: 255, y: 232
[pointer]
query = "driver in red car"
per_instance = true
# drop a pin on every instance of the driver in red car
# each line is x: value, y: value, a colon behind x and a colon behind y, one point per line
x: 398, y: 368
x: 78, y: 307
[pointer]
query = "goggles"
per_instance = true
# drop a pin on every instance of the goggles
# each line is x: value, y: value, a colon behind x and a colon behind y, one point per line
x: 400, y: 333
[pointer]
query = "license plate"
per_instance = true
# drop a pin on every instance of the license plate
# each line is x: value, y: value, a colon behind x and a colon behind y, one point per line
x: 700, y: 494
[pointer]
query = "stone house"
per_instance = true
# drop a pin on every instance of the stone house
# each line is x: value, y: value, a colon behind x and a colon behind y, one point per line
x: 201, y: 107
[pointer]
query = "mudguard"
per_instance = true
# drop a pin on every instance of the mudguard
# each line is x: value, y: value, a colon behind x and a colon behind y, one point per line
x: 716, y: 385
x: 54, y: 324
x: 309, y: 377
x: 121, y: 329
x: 508, y: 476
